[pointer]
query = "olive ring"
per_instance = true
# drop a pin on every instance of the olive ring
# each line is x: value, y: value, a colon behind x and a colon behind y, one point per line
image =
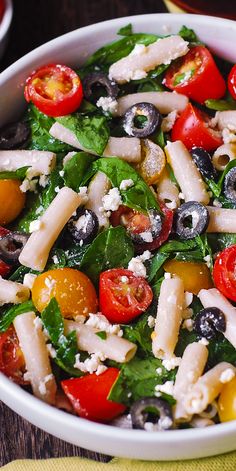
x: 149, y: 111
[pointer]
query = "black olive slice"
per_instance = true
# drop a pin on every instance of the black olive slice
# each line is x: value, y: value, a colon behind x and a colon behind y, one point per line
x: 209, y: 321
x: 146, y: 110
x: 153, y: 220
x: 203, y: 161
x: 154, y: 410
x: 190, y: 220
x: 83, y: 227
x: 13, y: 136
x: 11, y: 245
x: 99, y: 78
x: 230, y: 185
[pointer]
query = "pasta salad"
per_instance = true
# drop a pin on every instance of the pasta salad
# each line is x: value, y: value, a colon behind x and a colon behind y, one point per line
x: 118, y: 235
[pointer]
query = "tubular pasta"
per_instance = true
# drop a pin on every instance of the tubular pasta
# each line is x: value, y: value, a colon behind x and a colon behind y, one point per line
x: 186, y: 172
x: 126, y: 148
x: 164, y: 101
x: 168, y: 191
x: 32, y: 343
x: 36, y: 250
x: 191, y: 368
x: 98, y: 187
x: 223, y: 155
x: 206, y: 389
x: 41, y: 162
x: 213, y: 298
x: 113, y: 347
x: 221, y: 220
x: 168, y: 320
x: 12, y: 292
x: 226, y: 119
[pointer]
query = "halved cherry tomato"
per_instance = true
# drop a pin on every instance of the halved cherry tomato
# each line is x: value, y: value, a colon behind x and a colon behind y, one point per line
x: 72, y: 289
x: 55, y: 89
x: 4, y: 268
x: 232, y: 82
x: 88, y: 396
x: 122, y: 295
x: 195, y: 276
x: 224, y: 272
x: 192, y: 128
x: 12, y: 362
x: 137, y: 223
x: 227, y: 402
x: 196, y: 76
x: 12, y: 200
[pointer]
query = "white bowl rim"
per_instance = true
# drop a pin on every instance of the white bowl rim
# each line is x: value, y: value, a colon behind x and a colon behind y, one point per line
x: 6, y: 19
x: 12, y: 393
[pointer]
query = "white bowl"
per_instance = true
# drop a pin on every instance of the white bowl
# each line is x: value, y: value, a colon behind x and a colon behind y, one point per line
x: 5, y: 25
x: 72, y: 49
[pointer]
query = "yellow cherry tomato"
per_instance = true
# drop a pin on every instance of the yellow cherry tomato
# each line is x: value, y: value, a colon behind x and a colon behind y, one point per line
x: 72, y: 289
x: 227, y: 402
x: 12, y: 200
x: 195, y: 276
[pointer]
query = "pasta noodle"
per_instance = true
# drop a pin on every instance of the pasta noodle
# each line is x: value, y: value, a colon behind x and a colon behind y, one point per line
x: 213, y: 297
x: 32, y: 343
x: 97, y: 189
x: 168, y: 191
x: 40, y: 162
x: 189, y: 180
x: 206, y: 389
x: 221, y: 220
x: 226, y: 119
x: 191, y: 368
x: 164, y: 101
x: 168, y: 320
x: 36, y: 250
x: 113, y: 347
x: 12, y: 292
x: 223, y: 155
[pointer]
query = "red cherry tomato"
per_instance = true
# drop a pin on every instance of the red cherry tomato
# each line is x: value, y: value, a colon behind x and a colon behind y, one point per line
x: 4, y: 268
x: 224, y: 272
x: 88, y: 396
x: 138, y: 222
x: 122, y: 295
x: 12, y: 362
x: 192, y: 128
x: 2, y: 8
x: 55, y: 89
x: 232, y: 82
x: 196, y: 76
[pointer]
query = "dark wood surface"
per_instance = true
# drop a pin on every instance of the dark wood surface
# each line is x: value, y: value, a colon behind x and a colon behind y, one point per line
x: 35, y: 22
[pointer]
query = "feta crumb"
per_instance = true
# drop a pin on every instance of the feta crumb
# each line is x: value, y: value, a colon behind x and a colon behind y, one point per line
x: 29, y: 280
x: 159, y: 370
x: 181, y: 196
x: 27, y: 376
x: 112, y: 200
x: 28, y: 185
x: 151, y: 321
x: 227, y: 375
x: 137, y: 267
x: 35, y: 225
x: 55, y: 259
x: 207, y: 259
x: 100, y: 322
x: 146, y: 255
x: 188, y: 324
x: 38, y: 323
x: 43, y: 180
x: 42, y: 384
x: 52, y: 352
x: 57, y: 189
x: 61, y: 173
x: 167, y: 276
x: 167, y: 388
x: 125, y: 184
x: 39, y: 210
x: 108, y: 104
x: 169, y: 121
x: 188, y: 299
x: 101, y: 369
x: 91, y: 364
x: 171, y: 205
x: 217, y: 203
x: 80, y: 319
x: 203, y: 341
x: 146, y: 236
x: 49, y: 282
x: 171, y: 363
x: 228, y: 137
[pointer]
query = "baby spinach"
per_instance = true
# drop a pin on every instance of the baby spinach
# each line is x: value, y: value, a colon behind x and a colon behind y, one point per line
x: 221, y: 105
x: 75, y: 169
x: 92, y: 131
x: 188, y: 34
x: 221, y: 241
x: 139, y: 196
x: 125, y: 30
x: 216, y: 187
x: 53, y: 321
x: 18, y: 174
x: 8, y: 314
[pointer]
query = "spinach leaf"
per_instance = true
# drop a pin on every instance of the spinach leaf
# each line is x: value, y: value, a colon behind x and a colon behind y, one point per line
x: 138, y: 379
x: 92, y: 131
x: 149, y: 85
x: 189, y: 250
x: 57, y: 259
x: 159, y: 138
x: 220, y: 349
x: 221, y: 241
x: 53, y: 321
x: 110, y: 249
x: 139, y: 196
x: 157, y: 261
x: 74, y: 255
x: 19, y: 273
x: 221, y: 105
x: 139, y: 332
x: 216, y: 188
x: 75, y: 169
x: 40, y: 125
x: 126, y: 30
x: 66, y: 354
x: 18, y: 174
x: 188, y: 34
x: 7, y: 316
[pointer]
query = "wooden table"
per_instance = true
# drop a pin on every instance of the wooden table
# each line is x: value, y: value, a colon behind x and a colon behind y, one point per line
x: 35, y: 22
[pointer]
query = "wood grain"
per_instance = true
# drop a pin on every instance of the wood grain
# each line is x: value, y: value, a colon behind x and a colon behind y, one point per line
x: 35, y: 22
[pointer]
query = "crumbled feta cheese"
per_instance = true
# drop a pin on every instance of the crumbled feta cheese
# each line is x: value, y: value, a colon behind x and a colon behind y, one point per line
x: 217, y: 203
x: 137, y: 267
x: 83, y: 192
x: 169, y: 121
x: 228, y: 136
x: 28, y: 185
x: 82, y: 223
x: 188, y: 299
x: 167, y: 276
x: 80, y: 319
x: 171, y: 205
x: 188, y: 324
x: 181, y: 196
x: 159, y: 370
x: 146, y: 255
x: 125, y: 184
x: 42, y: 384
x: 43, y: 180
x: 203, y: 341
x: 138, y: 50
x: 29, y: 280
x: 151, y: 321
x: 55, y: 259
x: 52, y: 352
x: 101, y: 369
x: 35, y: 225
x: 57, y: 189
x: 91, y: 364
x: 207, y: 259
x: 171, y: 363
x: 27, y: 376
x: 146, y: 236
x: 227, y: 375
x: 112, y: 200
x: 62, y: 173
x: 100, y: 322
x: 49, y: 282
x: 81, y: 243
x: 167, y: 388
x: 108, y: 104
x: 39, y: 210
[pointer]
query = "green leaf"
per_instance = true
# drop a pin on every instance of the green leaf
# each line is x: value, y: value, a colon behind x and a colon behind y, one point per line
x: 139, y: 196
x: 139, y: 332
x: 157, y: 261
x: 57, y: 259
x: 18, y: 174
x: 126, y: 30
x: 216, y: 188
x: 75, y: 169
x: 138, y: 379
x: 8, y: 315
x: 159, y: 138
x: 74, y: 256
x: 53, y: 321
x: 92, y: 131
x: 221, y: 241
x: 110, y: 249
x: 149, y: 85
x: 102, y: 334
x: 221, y: 105
x: 66, y: 354
x: 188, y: 34
x: 19, y: 273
